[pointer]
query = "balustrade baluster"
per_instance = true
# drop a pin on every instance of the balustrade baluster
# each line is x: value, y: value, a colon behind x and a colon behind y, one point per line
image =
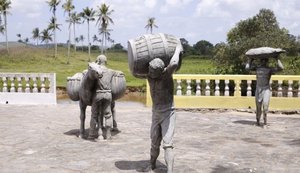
x: 299, y: 88
x: 35, y: 89
x: 43, y: 90
x: 290, y: 89
x: 4, y: 84
x: 27, y: 88
x: 207, y: 88
x: 226, y: 88
x: 19, y: 84
x: 50, y: 90
x: 178, y: 92
x: 188, y: 89
x: 217, y: 91
x: 271, y: 89
x: 12, y: 85
x: 249, y: 89
x: 279, y: 94
x: 198, y: 88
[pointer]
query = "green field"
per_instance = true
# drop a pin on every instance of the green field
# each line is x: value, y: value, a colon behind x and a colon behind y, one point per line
x: 41, y: 60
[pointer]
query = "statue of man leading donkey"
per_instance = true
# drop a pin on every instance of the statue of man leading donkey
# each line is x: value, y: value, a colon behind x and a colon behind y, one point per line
x: 99, y: 87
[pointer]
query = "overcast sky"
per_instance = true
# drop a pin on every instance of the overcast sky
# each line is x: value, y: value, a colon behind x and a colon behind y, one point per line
x: 193, y: 20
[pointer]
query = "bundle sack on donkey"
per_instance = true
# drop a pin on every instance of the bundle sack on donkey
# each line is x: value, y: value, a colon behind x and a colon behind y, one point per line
x: 83, y: 87
x: 118, y: 84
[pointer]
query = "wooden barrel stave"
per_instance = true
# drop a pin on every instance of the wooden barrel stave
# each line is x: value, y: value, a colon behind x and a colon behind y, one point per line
x: 147, y: 47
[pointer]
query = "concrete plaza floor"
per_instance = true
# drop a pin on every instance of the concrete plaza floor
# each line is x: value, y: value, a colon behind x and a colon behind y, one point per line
x: 44, y: 139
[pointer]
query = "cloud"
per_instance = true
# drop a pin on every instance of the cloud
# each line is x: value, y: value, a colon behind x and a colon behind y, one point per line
x: 173, y: 5
x: 211, y: 8
x: 150, y: 3
x: 31, y: 8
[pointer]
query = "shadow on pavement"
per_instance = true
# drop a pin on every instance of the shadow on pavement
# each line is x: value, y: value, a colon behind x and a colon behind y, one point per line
x: 75, y: 132
x: 245, y: 122
x: 228, y: 169
x: 294, y: 142
x: 140, y: 166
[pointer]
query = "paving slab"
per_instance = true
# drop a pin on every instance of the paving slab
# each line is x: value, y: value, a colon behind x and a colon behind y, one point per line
x: 45, y: 139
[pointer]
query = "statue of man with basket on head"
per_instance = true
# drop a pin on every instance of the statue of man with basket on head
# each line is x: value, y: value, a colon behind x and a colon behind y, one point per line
x: 263, y: 76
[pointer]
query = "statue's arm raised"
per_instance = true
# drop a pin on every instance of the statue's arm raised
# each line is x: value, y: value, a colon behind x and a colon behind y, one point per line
x: 174, y: 60
x: 279, y: 66
x: 250, y: 65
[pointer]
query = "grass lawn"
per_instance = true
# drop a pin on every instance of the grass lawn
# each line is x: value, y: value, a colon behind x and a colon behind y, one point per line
x: 41, y: 60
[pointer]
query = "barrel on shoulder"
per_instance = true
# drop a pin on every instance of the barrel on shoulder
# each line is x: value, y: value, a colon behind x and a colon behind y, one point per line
x: 148, y: 47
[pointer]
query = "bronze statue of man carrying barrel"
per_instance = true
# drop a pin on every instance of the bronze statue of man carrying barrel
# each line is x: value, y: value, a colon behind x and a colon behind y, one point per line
x: 157, y: 57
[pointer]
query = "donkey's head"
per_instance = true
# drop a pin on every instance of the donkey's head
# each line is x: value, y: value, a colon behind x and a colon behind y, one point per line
x: 94, y: 71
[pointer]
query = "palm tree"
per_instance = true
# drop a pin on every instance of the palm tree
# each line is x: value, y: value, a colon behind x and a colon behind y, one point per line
x: 105, y: 33
x: 75, y: 19
x: 151, y: 24
x: 2, y: 29
x: 36, y: 35
x: 20, y: 38
x: 103, y: 21
x: 81, y: 38
x: 53, y: 5
x: 46, y: 36
x: 26, y: 40
x: 1, y: 26
x: 95, y: 39
x: 68, y: 7
x: 88, y: 15
x: 77, y: 40
x: 53, y: 25
x: 4, y: 6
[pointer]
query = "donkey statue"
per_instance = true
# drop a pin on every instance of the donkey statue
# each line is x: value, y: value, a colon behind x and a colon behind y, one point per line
x: 83, y: 87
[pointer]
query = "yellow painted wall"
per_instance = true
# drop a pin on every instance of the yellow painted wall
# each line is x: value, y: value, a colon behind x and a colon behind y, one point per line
x: 231, y: 102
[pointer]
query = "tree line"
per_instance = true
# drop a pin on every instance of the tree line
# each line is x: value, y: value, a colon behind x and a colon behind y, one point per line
x: 261, y: 30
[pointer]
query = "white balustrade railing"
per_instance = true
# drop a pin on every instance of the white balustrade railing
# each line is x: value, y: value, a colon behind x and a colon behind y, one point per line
x: 232, y: 91
x: 27, y: 88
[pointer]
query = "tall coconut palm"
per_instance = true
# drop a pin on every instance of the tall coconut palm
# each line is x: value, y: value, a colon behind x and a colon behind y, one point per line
x: 88, y: 15
x: 26, y: 41
x: 53, y: 25
x: 53, y: 5
x: 75, y: 19
x: 68, y: 7
x: 2, y: 29
x: 103, y: 21
x: 20, y: 38
x: 77, y: 40
x: 81, y: 38
x: 1, y: 26
x: 151, y: 24
x: 46, y: 36
x: 4, y: 6
x: 36, y: 35
x: 105, y: 32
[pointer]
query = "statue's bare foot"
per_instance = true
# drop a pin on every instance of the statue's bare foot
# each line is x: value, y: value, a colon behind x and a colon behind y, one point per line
x: 115, y: 129
x: 81, y: 136
x: 148, y: 168
x: 107, y: 133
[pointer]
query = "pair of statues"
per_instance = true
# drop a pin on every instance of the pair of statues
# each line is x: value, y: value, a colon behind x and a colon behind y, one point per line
x: 98, y: 87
